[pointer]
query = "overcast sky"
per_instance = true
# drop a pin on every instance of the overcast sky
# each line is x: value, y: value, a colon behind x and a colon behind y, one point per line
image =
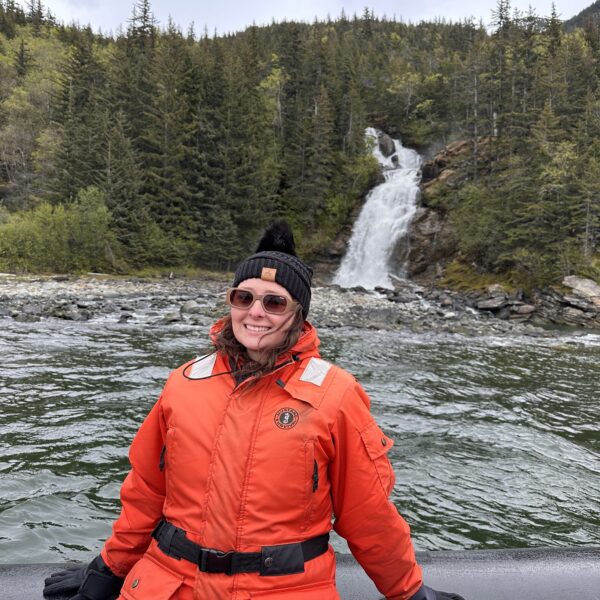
x: 235, y: 15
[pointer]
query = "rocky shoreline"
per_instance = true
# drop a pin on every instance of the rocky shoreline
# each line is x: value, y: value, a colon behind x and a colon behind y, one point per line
x: 200, y: 301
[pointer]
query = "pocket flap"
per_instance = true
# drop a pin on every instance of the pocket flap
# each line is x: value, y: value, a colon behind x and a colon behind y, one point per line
x: 148, y: 579
x: 375, y: 441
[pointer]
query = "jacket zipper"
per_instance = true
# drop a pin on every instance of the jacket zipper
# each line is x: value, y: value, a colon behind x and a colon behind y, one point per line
x: 161, y: 462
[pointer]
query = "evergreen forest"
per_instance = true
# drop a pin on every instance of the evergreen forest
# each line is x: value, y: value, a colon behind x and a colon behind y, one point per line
x: 158, y: 147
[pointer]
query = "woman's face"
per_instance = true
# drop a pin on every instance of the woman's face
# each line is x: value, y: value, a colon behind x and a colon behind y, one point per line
x: 257, y: 329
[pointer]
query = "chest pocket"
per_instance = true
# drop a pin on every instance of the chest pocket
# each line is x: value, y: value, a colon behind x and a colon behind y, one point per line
x: 282, y: 480
x: 378, y: 445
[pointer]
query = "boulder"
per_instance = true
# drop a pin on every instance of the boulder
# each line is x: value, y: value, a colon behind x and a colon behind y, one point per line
x: 69, y: 313
x: 585, y: 288
x: 430, y: 241
x: 580, y: 303
x: 85, y: 304
x: 494, y: 303
x: 386, y: 144
x: 172, y: 317
x: 524, y: 309
x: 446, y: 301
x: 190, y: 307
x: 574, y: 316
x: 26, y: 318
x: 32, y: 309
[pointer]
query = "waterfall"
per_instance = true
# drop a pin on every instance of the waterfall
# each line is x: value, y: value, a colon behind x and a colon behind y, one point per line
x: 383, y: 221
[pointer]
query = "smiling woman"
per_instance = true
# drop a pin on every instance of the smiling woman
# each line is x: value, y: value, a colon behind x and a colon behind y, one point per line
x: 248, y: 452
x: 262, y: 313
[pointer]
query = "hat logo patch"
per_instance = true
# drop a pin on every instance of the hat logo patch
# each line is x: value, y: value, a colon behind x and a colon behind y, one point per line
x: 268, y: 274
x: 286, y: 418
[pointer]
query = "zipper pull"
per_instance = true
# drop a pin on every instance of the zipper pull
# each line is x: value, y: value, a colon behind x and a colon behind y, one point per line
x: 315, y: 477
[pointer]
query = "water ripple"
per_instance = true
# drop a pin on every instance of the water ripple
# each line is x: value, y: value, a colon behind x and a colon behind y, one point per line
x: 496, y: 439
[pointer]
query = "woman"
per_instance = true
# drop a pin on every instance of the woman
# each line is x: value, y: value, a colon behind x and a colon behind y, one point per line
x: 241, y: 463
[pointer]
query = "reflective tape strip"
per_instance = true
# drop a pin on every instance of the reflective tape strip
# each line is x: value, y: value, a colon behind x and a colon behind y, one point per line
x: 203, y: 367
x: 316, y: 371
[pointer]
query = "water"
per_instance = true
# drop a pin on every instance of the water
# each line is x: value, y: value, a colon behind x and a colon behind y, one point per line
x: 383, y: 221
x: 496, y: 439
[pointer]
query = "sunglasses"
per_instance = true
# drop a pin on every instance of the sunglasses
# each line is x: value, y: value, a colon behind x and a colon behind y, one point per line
x: 271, y: 303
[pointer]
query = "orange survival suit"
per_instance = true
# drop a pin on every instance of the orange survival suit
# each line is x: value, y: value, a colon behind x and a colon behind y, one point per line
x: 240, y: 467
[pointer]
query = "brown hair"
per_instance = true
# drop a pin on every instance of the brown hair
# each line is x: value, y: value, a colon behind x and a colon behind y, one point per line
x: 226, y: 342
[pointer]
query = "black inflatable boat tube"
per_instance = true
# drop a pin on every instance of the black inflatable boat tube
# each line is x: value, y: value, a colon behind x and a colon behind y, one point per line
x: 524, y: 574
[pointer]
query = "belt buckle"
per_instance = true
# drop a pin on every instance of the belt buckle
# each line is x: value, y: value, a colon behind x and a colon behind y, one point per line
x: 215, y: 561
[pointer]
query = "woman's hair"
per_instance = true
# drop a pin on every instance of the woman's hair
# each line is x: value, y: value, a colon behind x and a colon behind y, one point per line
x: 226, y: 342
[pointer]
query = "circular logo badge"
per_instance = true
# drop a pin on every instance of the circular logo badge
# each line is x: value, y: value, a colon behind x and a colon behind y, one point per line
x: 286, y: 418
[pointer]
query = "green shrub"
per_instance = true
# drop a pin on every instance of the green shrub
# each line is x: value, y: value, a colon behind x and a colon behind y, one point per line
x: 60, y: 238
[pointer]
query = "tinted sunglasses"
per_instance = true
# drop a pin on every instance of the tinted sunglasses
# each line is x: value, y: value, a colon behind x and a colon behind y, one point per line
x: 271, y: 303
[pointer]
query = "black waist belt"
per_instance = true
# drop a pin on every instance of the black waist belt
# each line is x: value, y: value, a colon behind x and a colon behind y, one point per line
x: 284, y: 559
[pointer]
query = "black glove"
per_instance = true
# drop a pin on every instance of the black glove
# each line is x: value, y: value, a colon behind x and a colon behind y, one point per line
x: 94, y: 581
x: 426, y: 593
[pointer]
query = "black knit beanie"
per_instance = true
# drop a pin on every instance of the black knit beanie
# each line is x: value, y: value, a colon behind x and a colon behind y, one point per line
x: 276, y: 260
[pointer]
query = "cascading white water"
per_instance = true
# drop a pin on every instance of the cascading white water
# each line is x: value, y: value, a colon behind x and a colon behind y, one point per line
x: 383, y: 220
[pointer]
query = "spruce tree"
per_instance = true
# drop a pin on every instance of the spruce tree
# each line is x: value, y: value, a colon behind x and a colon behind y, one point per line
x: 77, y: 124
x: 167, y: 140
x: 23, y: 60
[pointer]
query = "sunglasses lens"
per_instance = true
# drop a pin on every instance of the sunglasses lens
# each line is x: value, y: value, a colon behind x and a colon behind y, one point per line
x: 241, y: 298
x: 274, y: 304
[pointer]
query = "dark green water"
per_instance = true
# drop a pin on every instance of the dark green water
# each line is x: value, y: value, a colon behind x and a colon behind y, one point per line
x: 497, y: 440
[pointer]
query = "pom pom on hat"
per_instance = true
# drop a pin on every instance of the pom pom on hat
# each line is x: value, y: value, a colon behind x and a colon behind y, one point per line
x: 279, y: 237
x: 276, y: 260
